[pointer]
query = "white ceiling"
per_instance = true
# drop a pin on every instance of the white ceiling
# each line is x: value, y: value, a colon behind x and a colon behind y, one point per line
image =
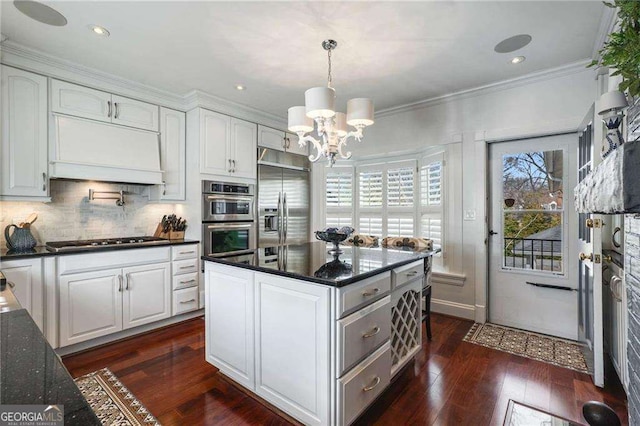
x: 395, y: 53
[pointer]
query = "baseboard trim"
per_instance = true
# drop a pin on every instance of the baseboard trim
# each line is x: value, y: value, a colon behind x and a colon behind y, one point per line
x: 453, y: 309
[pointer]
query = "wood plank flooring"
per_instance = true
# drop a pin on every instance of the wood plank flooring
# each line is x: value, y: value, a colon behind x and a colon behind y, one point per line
x: 451, y: 382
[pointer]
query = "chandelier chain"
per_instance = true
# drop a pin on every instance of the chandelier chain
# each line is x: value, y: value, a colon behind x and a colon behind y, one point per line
x: 329, y: 78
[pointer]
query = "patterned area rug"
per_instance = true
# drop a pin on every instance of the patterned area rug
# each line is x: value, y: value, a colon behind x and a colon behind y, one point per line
x: 552, y: 350
x: 112, y: 402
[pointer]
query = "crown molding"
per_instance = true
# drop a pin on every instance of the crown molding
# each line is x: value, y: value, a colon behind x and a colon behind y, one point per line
x: 608, y: 22
x: 198, y: 98
x: 548, y: 74
x: 19, y: 56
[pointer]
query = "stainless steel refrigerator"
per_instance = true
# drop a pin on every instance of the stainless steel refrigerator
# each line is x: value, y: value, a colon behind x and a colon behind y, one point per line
x: 283, y: 198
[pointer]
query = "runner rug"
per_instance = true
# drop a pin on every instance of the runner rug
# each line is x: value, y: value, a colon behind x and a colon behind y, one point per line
x: 552, y: 350
x: 112, y: 402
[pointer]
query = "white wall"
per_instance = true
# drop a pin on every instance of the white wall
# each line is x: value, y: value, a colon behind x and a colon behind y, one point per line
x: 550, y: 102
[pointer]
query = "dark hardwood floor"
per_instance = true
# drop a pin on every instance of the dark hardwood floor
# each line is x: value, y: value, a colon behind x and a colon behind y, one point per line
x: 451, y: 383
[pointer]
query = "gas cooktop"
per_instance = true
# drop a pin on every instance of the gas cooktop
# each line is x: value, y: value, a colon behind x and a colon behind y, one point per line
x: 107, y: 242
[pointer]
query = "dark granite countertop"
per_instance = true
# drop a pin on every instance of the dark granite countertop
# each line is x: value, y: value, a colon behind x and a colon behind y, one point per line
x: 41, y: 251
x: 32, y: 373
x: 311, y: 262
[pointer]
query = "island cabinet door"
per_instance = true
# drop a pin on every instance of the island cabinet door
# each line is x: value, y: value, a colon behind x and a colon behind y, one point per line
x: 229, y: 322
x: 292, y: 346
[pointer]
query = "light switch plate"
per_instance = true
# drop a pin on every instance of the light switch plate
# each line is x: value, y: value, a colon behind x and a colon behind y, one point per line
x: 469, y: 215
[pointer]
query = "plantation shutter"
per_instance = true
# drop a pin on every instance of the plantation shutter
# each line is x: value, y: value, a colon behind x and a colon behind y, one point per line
x: 370, y: 188
x: 339, y: 198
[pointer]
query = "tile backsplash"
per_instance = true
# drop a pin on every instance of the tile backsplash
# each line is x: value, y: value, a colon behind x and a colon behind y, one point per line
x: 71, y: 216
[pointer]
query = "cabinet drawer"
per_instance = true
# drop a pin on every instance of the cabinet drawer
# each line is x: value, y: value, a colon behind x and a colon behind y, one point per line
x: 184, y: 252
x: 354, y: 296
x: 185, y: 300
x: 185, y: 266
x: 185, y: 280
x: 407, y: 273
x: 363, y: 331
x: 362, y: 385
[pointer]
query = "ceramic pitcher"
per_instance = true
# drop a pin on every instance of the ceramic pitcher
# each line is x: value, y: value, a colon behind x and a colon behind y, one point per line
x: 20, y: 240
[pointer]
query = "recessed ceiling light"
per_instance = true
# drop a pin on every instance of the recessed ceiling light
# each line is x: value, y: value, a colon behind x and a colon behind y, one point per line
x: 240, y: 87
x: 41, y: 12
x: 101, y: 31
x: 512, y: 44
x: 518, y: 59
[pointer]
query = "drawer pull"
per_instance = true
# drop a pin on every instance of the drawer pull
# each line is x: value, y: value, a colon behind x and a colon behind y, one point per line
x: 372, y: 333
x: 187, y: 282
x: 371, y: 292
x: 376, y: 382
x: 11, y: 285
x: 412, y: 273
x: 187, y: 252
x: 187, y: 301
x: 186, y: 267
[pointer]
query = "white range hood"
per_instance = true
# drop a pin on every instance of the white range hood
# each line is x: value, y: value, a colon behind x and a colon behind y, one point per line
x: 90, y: 150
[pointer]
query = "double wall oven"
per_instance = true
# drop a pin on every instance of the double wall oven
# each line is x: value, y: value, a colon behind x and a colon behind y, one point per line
x: 228, y: 218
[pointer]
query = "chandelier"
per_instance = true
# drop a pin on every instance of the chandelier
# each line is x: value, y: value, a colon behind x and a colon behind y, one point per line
x: 331, y: 126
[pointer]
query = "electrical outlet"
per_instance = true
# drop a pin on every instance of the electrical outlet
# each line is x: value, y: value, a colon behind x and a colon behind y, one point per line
x: 469, y: 215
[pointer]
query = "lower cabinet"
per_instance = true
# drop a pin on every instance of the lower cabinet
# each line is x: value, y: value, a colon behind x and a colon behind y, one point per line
x: 292, y: 346
x: 229, y: 323
x: 95, y: 304
x: 26, y: 275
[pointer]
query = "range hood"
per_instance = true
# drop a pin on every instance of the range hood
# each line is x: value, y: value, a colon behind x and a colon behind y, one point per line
x: 90, y: 150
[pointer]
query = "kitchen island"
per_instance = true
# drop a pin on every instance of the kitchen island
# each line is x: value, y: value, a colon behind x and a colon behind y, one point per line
x: 317, y: 335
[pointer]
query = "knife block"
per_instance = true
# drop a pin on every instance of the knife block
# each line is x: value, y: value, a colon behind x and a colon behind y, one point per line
x: 160, y: 234
x: 176, y: 235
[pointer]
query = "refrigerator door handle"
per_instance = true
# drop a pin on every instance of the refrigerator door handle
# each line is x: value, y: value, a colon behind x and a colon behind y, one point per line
x: 285, y: 214
x: 279, y: 218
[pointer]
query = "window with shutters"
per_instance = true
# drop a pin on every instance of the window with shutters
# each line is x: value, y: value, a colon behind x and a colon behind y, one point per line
x: 431, y: 198
x: 339, y: 197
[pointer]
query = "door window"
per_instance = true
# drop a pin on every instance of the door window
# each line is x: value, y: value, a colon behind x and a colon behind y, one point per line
x: 533, y: 211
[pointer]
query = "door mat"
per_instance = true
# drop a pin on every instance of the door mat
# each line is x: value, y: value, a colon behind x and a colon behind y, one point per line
x: 552, y: 350
x: 112, y: 402
x: 519, y: 414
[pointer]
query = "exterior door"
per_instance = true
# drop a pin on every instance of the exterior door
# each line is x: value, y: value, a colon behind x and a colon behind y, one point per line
x: 147, y: 294
x: 590, y: 309
x: 532, y: 280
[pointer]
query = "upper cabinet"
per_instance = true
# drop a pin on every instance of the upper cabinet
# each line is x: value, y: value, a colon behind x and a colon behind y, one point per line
x: 228, y: 146
x: 129, y: 112
x: 279, y: 140
x: 172, y: 157
x: 80, y: 101
x: 24, y: 134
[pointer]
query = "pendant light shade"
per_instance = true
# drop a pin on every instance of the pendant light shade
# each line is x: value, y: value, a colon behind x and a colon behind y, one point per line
x: 341, y: 124
x: 360, y: 112
x: 298, y: 120
x: 320, y: 102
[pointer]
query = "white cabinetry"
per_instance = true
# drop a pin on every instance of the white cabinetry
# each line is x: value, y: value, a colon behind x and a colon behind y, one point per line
x: 146, y: 295
x: 132, y: 113
x: 24, y: 135
x: 80, y: 101
x: 292, y: 347
x: 279, y: 140
x: 27, y: 278
x: 229, y: 326
x: 185, y: 278
x: 90, y: 305
x: 103, y: 293
x: 172, y: 157
x: 228, y: 146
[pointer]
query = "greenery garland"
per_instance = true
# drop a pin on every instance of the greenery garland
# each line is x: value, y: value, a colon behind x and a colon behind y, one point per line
x: 622, y: 49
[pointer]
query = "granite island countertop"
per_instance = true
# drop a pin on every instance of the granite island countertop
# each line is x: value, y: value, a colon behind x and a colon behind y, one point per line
x: 312, y: 262
x: 32, y: 373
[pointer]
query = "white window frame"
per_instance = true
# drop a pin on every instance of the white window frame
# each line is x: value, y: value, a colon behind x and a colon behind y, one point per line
x: 440, y: 209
